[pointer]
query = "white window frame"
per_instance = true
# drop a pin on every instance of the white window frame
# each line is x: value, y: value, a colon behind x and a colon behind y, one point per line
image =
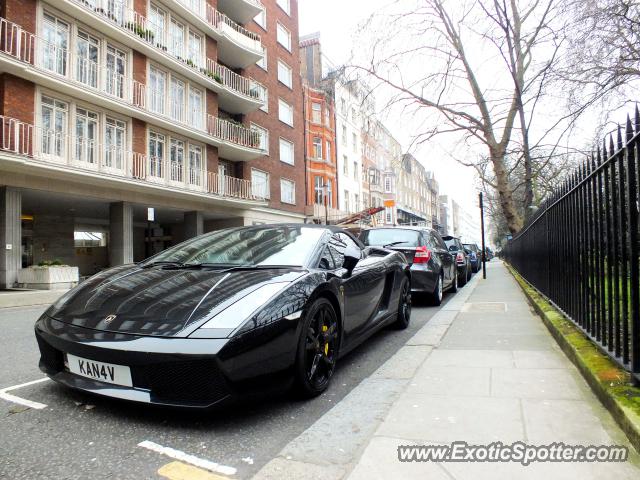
x: 317, y: 120
x: 286, y: 8
x: 287, y: 107
x: 264, y: 143
x: 282, y: 141
x: 280, y: 28
x: 267, y: 192
x: 263, y: 63
x: 261, y: 19
x: 285, y: 69
x: 290, y: 182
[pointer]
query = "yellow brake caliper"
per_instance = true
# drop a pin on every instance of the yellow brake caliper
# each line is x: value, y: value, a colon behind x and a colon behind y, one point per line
x: 326, y: 345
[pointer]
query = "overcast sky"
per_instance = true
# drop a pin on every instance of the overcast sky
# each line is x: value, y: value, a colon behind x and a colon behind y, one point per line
x: 337, y: 20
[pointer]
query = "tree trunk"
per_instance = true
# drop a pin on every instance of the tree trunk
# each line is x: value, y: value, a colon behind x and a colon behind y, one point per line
x: 509, y: 210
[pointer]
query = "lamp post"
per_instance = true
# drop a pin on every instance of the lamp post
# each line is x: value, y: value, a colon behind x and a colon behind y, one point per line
x: 484, y: 260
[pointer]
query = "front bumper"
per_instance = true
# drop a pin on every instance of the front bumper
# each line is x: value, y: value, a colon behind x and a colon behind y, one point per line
x: 183, y: 372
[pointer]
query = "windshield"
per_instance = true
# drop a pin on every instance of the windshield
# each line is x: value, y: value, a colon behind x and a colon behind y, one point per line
x: 286, y: 245
x: 384, y: 236
x: 451, y: 243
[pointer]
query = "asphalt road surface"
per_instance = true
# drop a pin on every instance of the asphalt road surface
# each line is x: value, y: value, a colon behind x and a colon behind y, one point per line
x: 80, y: 436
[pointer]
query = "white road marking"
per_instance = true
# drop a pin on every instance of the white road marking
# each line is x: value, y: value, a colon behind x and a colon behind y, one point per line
x: 185, y: 457
x: 22, y: 401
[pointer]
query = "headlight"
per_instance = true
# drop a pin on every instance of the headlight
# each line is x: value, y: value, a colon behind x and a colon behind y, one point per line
x: 235, y: 314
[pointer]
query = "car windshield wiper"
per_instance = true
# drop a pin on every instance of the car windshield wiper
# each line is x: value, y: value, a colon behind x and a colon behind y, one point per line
x: 392, y: 244
x: 229, y: 267
x: 162, y: 263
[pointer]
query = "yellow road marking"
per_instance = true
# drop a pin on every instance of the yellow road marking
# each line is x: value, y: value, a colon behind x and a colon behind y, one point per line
x: 183, y: 471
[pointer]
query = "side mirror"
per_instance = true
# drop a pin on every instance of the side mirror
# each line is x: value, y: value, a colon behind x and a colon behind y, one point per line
x: 453, y: 248
x: 351, y: 258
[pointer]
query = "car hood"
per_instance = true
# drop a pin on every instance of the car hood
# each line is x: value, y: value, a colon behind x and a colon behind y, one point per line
x: 159, y: 301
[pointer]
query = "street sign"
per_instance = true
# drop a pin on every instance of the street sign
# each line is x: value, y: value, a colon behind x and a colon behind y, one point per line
x: 389, y: 203
x: 151, y: 214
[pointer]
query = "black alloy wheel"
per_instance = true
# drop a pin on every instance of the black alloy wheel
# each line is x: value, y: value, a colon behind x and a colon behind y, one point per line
x: 404, y: 306
x: 317, y: 349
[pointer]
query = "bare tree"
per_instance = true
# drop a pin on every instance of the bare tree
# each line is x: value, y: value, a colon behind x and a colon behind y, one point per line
x: 478, y: 70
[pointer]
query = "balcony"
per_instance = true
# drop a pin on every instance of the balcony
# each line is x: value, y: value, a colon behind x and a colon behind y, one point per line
x: 73, y: 154
x: 242, y: 11
x: 25, y: 55
x: 113, y: 19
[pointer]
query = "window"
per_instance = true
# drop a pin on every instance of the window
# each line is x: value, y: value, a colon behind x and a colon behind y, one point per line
x: 327, y: 151
x: 86, y: 136
x: 329, y: 193
x: 285, y: 112
x: 387, y: 184
x: 283, y: 36
x: 157, y: 94
x: 344, y: 135
x: 116, y: 10
x: 346, y: 201
x: 262, y: 63
x: 316, y: 112
x: 55, y: 44
x: 195, y: 165
x: 318, y: 189
x: 89, y: 239
x: 177, y: 99
x: 317, y: 147
x: 195, y: 49
x: 156, y: 23
x: 345, y: 165
x: 261, y: 18
x: 327, y: 117
x: 285, y: 74
x: 195, y: 108
x: 388, y: 215
x: 354, y: 141
x: 285, y: 5
x: 356, y: 202
x: 116, y: 70
x: 176, y: 38
x: 114, y: 142
x: 156, y: 154
x: 260, y: 183
x: 287, y: 191
x: 354, y: 115
x: 263, y: 94
x: 286, y: 151
x: 87, y: 59
x: 355, y: 170
x: 54, y: 126
x: 176, y: 155
x: 264, y: 137
x: 343, y: 106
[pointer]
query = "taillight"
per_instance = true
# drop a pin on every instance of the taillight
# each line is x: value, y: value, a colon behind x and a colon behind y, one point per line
x: 422, y: 255
x: 460, y: 257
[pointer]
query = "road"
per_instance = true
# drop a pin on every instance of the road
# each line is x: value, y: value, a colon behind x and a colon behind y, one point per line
x: 80, y: 436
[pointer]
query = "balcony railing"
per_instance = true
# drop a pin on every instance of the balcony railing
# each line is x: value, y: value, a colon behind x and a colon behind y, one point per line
x: 54, y: 147
x: 43, y: 55
x: 241, y: 35
x: 160, y: 38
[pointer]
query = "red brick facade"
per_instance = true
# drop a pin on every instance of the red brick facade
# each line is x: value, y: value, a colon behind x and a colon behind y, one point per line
x: 271, y: 163
x: 320, y: 133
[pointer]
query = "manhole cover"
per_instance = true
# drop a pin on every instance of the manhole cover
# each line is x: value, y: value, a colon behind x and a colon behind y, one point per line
x: 495, y: 307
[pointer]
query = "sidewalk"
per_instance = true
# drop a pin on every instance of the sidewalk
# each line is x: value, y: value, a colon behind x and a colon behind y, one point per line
x: 484, y: 369
x: 26, y: 298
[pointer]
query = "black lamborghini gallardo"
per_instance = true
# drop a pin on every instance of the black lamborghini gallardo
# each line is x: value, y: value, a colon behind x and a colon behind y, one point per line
x: 224, y: 314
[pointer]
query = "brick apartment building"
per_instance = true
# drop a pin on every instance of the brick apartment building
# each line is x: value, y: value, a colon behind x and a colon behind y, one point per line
x: 320, y: 138
x: 110, y: 107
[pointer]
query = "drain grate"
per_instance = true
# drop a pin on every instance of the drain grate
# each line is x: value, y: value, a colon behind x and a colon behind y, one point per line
x: 493, y: 307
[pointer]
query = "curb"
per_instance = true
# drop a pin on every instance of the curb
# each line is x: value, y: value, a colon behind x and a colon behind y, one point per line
x: 30, y: 298
x: 610, y: 383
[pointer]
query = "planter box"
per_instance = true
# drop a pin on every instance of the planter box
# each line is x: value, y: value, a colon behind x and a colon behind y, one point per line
x: 48, y: 278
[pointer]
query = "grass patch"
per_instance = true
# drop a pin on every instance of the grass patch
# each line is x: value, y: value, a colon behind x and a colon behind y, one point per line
x: 612, y: 384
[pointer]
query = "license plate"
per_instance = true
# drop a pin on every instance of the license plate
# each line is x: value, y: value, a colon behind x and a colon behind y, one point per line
x: 104, y: 372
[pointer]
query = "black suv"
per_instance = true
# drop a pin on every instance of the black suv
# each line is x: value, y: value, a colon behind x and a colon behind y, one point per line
x: 462, y: 259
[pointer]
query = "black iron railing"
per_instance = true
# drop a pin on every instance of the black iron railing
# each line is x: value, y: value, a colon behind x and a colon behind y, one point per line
x: 581, y: 247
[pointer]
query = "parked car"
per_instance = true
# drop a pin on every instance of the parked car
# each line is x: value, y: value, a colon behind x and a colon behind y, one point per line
x: 488, y: 254
x: 462, y: 260
x: 433, y: 268
x: 475, y: 257
x: 224, y: 314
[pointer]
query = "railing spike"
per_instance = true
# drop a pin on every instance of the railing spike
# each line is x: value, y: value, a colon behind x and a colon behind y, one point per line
x: 637, y: 119
x: 605, y: 155
x: 619, y: 139
x: 611, y: 147
x: 629, y: 129
x: 599, y: 157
